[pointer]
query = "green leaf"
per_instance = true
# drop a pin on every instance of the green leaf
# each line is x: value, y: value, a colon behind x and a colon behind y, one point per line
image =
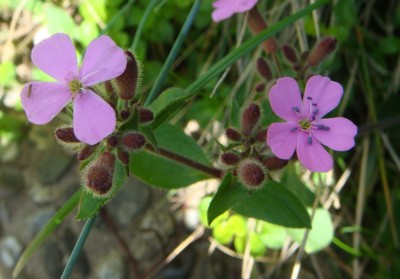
x: 58, y: 20
x: 257, y: 247
x: 293, y: 183
x: 321, y: 234
x: 148, y: 133
x: 275, y: 204
x: 203, y: 209
x: 168, y: 101
x: 163, y: 172
x: 90, y: 205
x: 273, y: 236
x: 229, y: 194
x: 46, y: 231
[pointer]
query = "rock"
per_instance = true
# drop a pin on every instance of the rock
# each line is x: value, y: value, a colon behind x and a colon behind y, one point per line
x: 51, y: 166
x: 38, y: 219
x: 10, y: 249
x: 112, y: 267
x: 130, y: 201
x: 11, y: 179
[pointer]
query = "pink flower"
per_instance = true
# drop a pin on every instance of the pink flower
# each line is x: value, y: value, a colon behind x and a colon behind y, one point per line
x: 93, y: 118
x: 304, y: 129
x: 226, y: 8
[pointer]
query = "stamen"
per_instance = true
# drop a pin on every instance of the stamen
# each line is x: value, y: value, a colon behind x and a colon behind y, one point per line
x: 309, y: 140
x: 315, y: 110
x: 322, y: 127
x: 309, y: 98
x: 293, y: 129
x: 296, y: 109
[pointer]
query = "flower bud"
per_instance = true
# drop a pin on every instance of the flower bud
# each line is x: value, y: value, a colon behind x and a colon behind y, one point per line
x: 233, y: 135
x: 263, y: 68
x: 275, y: 163
x: 126, y: 83
x: 66, y: 135
x: 86, y: 152
x: 112, y: 142
x: 125, y: 114
x: 251, y: 174
x: 99, y: 176
x: 260, y: 87
x: 250, y: 119
x: 257, y: 25
x: 146, y: 116
x: 261, y: 136
x: 230, y: 159
x: 290, y: 54
x: 133, y: 141
x: 123, y: 157
x: 321, y: 50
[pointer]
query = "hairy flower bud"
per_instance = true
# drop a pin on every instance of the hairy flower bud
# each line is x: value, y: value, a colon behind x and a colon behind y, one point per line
x: 250, y: 118
x: 261, y: 135
x: 230, y: 159
x: 290, y: 54
x: 99, y: 176
x: 123, y: 157
x: 275, y: 163
x: 86, y: 152
x: 321, y: 50
x: 133, y: 141
x: 251, y: 174
x: 263, y: 68
x: 112, y: 142
x: 233, y: 135
x: 146, y: 116
x: 66, y: 135
x: 125, y: 114
x: 260, y: 87
x: 126, y: 83
x: 257, y: 25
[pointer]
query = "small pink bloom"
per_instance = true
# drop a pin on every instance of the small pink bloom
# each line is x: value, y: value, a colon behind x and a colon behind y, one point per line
x: 226, y: 8
x: 304, y: 129
x: 94, y: 119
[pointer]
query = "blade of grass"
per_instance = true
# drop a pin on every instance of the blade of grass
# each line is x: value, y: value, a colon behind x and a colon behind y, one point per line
x: 117, y: 15
x: 143, y: 20
x: 78, y: 248
x: 45, y: 232
x: 173, y: 53
x: 248, y: 46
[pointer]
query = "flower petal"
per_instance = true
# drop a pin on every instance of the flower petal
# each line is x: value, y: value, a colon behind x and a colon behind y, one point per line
x: 340, y: 135
x: 42, y: 101
x: 103, y: 60
x: 324, y: 92
x: 244, y: 5
x: 94, y: 118
x: 223, y: 10
x: 284, y: 96
x: 282, y: 139
x: 56, y: 57
x: 313, y: 156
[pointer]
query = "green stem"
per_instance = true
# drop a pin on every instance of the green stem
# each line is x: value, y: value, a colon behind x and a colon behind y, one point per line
x: 173, y: 53
x: 77, y: 249
x: 142, y: 22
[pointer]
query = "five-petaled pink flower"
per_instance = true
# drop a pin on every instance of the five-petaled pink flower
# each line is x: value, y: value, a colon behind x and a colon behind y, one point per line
x: 305, y: 129
x: 226, y: 8
x: 93, y: 118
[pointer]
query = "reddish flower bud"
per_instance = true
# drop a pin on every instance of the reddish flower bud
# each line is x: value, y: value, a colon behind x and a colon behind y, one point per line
x: 257, y: 25
x: 290, y: 53
x: 66, y: 135
x: 123, y: 157
x: 112, y: 142
x: 86, y: 152
x: 133, y: 141
x: 261, y: 136
x: 275, y: 163
x: 230, y: 158
x: 321, y: 50
x: 260, y: 87
x: 125, y: 114
x: 99, y: 176
x: 251, y: 174
x: 263, y: 68
x: 146, y: 116
x: 233, y: 135
x: 126, y: 83
x: 250, y: 118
